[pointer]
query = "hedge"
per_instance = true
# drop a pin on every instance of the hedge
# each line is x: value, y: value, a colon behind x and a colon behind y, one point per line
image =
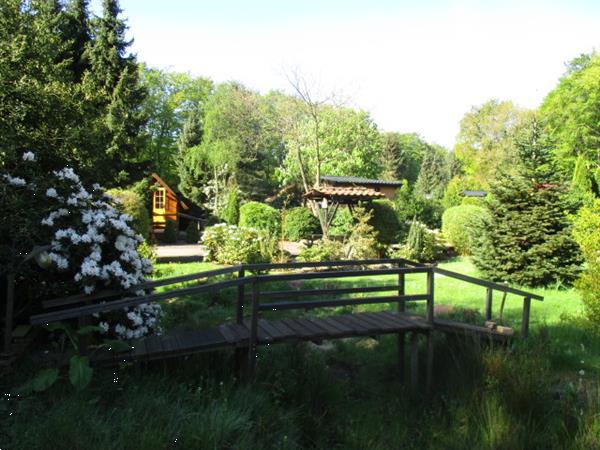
x: 299, y: 223
x: 385, y: 221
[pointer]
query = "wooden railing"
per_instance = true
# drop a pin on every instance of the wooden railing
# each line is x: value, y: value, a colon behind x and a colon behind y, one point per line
x: 257, y: 276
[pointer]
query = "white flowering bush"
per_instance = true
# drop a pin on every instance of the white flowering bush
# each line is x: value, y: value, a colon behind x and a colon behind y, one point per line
x: 92, y: 244
x: 230, y: 244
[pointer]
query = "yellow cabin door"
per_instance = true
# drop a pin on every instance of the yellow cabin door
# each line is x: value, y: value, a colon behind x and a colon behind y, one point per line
x: 159, y: 206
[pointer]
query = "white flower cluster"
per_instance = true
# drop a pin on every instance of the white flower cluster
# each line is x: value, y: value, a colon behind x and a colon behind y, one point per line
x: 96, y: 243
x: 29, y: 156
x: 15, y: 181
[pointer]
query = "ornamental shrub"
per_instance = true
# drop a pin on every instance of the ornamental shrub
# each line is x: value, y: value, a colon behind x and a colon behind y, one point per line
x: 92, y: 244
x: 260, y: 216
x: 299, y: 223
x: 362, y: 243
x: 230, y: 244
x: 385, y: 221
x: 460, y: 224
x: 587, y: 235
x: 170, y: 233
x: 322, y: 250
x: 421, y: 245
x: 231, y: 213
x: 132, y: 203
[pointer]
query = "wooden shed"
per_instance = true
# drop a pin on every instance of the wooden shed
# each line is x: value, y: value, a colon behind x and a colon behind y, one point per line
x: 167, y: 204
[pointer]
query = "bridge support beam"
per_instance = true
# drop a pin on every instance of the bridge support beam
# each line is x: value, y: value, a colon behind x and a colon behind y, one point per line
x: 429, y: 380
x: 414, y: 361
x: 401, y: 356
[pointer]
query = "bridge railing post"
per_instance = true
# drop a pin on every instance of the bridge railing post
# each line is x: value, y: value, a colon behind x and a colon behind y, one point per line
x: 253, y: 335
x: 489, y: 293
x: 401, y: 309
x: 240, y: 300
x: 430, y: 293
x: 525, y: 320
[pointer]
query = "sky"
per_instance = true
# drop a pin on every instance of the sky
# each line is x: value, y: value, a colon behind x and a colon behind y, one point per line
x: 415, y: 66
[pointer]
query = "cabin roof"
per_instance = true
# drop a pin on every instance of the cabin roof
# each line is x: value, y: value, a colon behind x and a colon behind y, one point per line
x: 177, y: 195
x: 359, y: 180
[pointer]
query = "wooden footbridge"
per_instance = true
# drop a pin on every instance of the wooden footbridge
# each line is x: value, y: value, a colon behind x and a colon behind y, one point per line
x: 265, y: 316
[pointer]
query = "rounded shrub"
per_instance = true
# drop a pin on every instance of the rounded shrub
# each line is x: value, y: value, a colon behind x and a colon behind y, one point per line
x: 459, y: 225
x: 260, y: 216
x: 385, y: 221
x: 229, y: 244
x: 299, y: 223
x: 133, y: 204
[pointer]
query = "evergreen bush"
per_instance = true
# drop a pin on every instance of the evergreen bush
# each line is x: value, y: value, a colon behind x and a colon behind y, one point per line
x: 527, y: 239
x: 322, y: 250
x: 231, y: 213
x: 260, y: 216
x: 299, y: 223
x: 460, y: 224
x: 421, y: 244
x: 363, y: 241
x: 170, y: 234
x: 385, y: 221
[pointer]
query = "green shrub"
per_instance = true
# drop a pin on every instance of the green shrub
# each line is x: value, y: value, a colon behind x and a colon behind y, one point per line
x: 299, y: 223
x: 260, y: 216
x: 170, y: 234
x: 133, y: 203
x: 230, y: 244
x: 422, y: 244
x: 385, y: 221
x: 587, y: 235
x: 322, y: 250
x: 192, y: 235
x: 362, y: 243
x: 342, y: 223
x: 231, y: 213
x: 460, y: 225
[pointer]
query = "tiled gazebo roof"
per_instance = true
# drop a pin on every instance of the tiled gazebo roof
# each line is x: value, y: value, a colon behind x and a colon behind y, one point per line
x: 351, y: 193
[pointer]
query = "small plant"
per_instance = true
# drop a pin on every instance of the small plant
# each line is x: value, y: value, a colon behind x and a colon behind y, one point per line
x: 422, y: 244
x: 192, y: 234
x: 299, y: 223
x: 170, y: 233
x: 322, y: 250
x: 231, y: 213
x: 260, y: 216
x: 229, y: 244
x: 362, y: 243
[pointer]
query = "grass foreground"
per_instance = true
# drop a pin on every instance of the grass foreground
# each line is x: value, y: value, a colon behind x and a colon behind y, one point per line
x: 538, y: 394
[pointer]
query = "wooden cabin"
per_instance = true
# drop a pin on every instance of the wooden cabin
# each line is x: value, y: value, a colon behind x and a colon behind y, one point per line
x: 387, y: 188
x: 167, y: 204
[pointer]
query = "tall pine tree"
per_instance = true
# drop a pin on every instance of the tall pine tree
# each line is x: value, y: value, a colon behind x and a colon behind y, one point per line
x: 190, y: 166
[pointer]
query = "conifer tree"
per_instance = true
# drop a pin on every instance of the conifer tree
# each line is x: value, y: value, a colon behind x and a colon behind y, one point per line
x: 433, y: 175
x: 527, y: 239
x: 190, y: 166
x: 77, y: 35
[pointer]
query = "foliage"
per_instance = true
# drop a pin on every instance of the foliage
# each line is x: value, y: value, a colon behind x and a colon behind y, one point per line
x: 454, y: 191
x: 170, y: 233
x: 587, y: 234
x: 433, y: 173
x: 172, y: 98
x: 230, y: 244
x: 527, y: 238
x: 460, y: 223
x: 133, y: 205
x: 192, y: 234
x: 342, y: 223
x: 348, y: 146
x: 260, y: 216
x: 484, y: 144
x: 422, y: 244
x: 299, y: 223
x: 322, y: 250
x: 363, y: 240
x: 572, y: 111
x: 385, y: 221
x: 410, y: 204
x: 402, y: 156
x: 191, y: 169
x: 231, y: 213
